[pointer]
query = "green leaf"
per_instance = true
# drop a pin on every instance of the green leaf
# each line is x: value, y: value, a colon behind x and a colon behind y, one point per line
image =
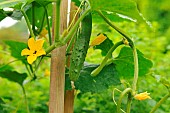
x: 14, y: 76
x: 107, y: 77
x: 2, y: 15
x: 16, y: 48
x: 126, y: 8
x: 125, y: 64
x: 9, y: 3
x: 5, y: 67
x: 104, y: 46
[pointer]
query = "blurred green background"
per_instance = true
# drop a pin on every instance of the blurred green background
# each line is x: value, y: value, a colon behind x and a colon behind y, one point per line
x: 152, y: 39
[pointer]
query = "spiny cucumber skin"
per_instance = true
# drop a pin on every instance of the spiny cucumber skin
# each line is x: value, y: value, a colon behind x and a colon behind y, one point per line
x: 80, y: 47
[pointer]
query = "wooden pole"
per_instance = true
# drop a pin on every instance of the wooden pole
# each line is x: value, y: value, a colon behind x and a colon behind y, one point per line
x: 57, y: 77
x: 69, y: 95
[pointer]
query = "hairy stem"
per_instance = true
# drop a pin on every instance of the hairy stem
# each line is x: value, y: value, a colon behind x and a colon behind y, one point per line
x: 159, y: 103
x: 129, y: 102
x: 127, y: 90
x: 136, y: 70
x: 25, y: 97
x: 42, y: 23
x: 131, y: 44
x: 57, y: 22
x: 48, y: 25
x: 28, y: 23
x: 116, y: 28
x: 53, y: 46
x: 104, y: 62
x: 33, y: 17
x: 73, y: 29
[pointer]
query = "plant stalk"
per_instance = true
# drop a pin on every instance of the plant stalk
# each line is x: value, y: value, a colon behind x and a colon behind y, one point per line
x: 25, y: 97
x: 116, y: 28
x: 57, y: 22
x: 104, y: 62
x: 159, y: 103
x: 48, y: 25
x: 129, y: 102
x: 28, y: 23
x: 131, y: 44
x: 127, y: 90
x: 73, y: 29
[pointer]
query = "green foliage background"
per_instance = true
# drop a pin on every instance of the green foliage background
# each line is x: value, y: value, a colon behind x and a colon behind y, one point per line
x: 152, y: 40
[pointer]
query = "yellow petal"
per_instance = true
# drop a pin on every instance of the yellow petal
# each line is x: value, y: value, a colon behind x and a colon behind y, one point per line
x: 39, y: 44
x: 40, y: 52
x: 46, y: 73
x: 31, y: 44
x: 43, y: 33
x: 31, y: 58
x: 98, y: 40
x: 142, y: 96
x: 26, y: 52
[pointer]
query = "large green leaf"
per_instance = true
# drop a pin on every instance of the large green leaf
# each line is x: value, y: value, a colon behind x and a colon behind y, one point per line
x: 125, y: 64
x: 119, y: 7
x: 16, y: 48
x: 14, y: 76
x: 107, y: 77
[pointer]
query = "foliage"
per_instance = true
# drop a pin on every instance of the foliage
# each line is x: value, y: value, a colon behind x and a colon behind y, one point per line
x: 107, y: 77
x: 125, y: 62
x: 94, y: 94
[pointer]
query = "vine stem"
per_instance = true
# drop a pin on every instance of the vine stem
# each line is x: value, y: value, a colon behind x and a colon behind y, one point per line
x: 25, y: 97
x: 131, y: 44
x: 129, y: 101
x: 160, y: 102
x: 116, y: 28
x: 28, y: 23
x: 136, y: 70
x: 42, y: 23
x: 104, y: 62
x: 59, y: 43
x: 73, y: 20
x: 72, y: 30
x: 57, y: 22
x: 33, y: 17
x: 48, y: 25
x: 127, y: 90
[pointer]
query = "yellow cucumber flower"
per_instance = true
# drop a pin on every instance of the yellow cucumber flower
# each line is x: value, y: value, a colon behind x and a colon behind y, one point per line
x: 142, y: 96
x: 46, y: 73
x: 35, y: 50
x: 98, y: 40
x: 43, y: 33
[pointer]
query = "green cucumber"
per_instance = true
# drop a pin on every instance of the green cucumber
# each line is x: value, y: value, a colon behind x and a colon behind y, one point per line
x: 80, y: 47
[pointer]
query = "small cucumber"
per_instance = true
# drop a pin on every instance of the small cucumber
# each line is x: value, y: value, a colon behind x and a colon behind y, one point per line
x: 80, y: 47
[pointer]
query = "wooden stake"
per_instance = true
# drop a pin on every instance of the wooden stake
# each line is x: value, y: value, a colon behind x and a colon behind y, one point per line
x: 57, y: 77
